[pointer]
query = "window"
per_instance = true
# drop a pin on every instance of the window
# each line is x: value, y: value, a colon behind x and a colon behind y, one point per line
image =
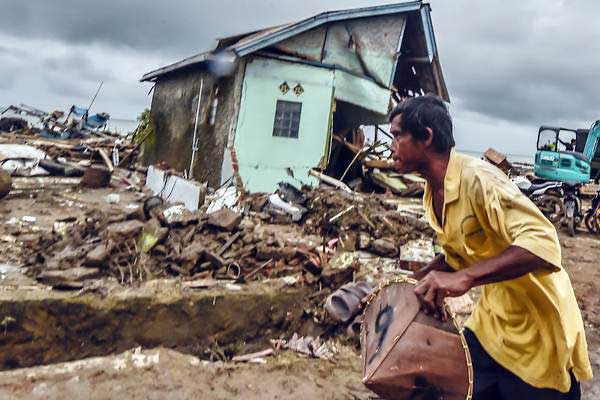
x: 287, y: 119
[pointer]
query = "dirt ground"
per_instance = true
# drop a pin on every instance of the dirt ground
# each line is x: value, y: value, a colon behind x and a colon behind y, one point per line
x: 161, y: 373
x: 581, y: 258
x: 285, y: 376
x: 166, y: 374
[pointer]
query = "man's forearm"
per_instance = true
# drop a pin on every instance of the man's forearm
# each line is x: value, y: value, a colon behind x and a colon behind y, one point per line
x: 513, y: 263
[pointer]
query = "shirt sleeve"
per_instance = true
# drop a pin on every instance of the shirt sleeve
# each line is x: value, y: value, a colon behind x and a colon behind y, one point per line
x: 513, y: 217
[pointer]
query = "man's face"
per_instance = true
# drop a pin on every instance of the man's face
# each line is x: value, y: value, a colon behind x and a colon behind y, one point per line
x: 407, y: 153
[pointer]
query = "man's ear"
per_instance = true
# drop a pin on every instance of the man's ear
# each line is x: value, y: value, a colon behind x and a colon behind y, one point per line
x: 429, y: 138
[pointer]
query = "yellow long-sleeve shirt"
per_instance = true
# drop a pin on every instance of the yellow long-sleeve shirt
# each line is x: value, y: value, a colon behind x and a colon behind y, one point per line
x: 531, y: 325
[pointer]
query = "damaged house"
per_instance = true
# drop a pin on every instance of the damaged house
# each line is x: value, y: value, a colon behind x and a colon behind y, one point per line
x: 286, y: 99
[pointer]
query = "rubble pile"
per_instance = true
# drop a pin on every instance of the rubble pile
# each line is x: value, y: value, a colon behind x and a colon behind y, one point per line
x: 371, y: 169
x: 56, y: 124
x: 160, y: 239
x: 61, y: 144
x: 22, y: 154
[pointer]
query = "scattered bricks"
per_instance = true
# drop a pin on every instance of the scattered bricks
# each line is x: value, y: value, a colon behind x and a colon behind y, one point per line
x: 416, y: 254
x: 384, y: 247
x: 275, y: 253
x: 98, y: 256
x: 214, y: 259
x: 96, y: 177
x: 225, y: 219
x: 247, y: 224
x: 340, y: 270
x: 191, y: 252
x: 125, y: 229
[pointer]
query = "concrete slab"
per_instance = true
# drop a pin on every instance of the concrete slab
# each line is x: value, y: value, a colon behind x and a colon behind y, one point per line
x: 175, y: 189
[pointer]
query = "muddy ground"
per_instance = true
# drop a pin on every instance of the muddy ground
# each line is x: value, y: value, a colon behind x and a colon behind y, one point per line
x: 581, y: 258
x: 168, y: 374
x: 162, y: 373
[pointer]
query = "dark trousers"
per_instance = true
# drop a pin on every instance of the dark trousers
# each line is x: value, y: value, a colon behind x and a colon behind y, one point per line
x: 494, y: 382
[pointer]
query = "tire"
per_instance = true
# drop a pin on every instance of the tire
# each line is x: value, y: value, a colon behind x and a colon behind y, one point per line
x: 551, y: 206
x: 590, y: 222
x: 570, y: 217
x: 571, y: 226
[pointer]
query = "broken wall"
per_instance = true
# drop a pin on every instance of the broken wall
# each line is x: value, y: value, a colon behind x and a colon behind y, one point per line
x: 173, y: 114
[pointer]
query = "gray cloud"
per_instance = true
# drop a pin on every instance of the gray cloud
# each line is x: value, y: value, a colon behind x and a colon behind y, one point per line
x: 514, y: 64
x: 531, y: 62
x: 169, y: 27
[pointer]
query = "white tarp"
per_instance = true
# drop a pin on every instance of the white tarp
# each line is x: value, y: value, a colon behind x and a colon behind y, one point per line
x: 21, y: 159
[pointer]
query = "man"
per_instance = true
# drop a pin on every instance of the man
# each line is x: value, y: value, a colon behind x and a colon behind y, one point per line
x: 569, y: 146
x: 526, y: 334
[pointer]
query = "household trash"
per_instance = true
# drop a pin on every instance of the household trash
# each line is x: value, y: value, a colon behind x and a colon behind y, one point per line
x: 226, y: 197
x: 278, y: 204
x: 22, y: 160
x: 346, y: 302
x: 113, y: 198
x: 416, y: 254
x: 307, y: 345
x: 254, y: 358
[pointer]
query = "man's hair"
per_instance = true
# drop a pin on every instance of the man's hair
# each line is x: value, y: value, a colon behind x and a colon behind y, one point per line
x: 422, y: 112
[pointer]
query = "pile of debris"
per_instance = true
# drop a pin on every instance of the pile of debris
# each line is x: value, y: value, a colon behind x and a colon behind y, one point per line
x: 34, y: 143
x: 256, y: 239
x: 77, y: 123
x: 368, y: 167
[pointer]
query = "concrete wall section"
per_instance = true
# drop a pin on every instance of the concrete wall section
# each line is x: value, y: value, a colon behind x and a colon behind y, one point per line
x: 173, y: 113
x: 264, y: 159
x: 174, y: 106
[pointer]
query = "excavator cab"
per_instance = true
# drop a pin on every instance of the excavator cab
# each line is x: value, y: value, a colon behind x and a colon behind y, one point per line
x: 565, y: 154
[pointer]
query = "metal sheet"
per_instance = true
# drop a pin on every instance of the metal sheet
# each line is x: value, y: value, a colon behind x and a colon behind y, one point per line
x: 366, y: 46
x: 361, y: 92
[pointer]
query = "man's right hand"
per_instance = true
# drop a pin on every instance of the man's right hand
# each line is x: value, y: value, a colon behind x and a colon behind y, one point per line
x: 437, y: 264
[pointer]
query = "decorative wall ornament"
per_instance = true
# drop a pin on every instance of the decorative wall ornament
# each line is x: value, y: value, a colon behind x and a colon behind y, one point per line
x: 284, y: 87
x: 298, y: 89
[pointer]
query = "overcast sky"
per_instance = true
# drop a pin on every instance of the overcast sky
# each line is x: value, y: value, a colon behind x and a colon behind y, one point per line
x: 510, y: 66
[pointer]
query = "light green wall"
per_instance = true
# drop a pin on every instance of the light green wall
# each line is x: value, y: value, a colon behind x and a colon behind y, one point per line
x: 263, y: 158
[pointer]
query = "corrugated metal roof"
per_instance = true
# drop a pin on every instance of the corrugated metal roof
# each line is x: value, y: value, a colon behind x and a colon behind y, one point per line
x: 272, y: 35
x: 246, y: 47
x: 197, y: 59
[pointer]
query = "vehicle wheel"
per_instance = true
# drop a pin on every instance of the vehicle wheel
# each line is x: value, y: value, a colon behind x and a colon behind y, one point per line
x: 570, y: 216
x: 571, y: 225
x: 552, y: 207
x: 590, y: 222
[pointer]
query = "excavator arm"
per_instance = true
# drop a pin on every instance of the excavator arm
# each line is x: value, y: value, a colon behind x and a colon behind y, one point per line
x: 591, y: 143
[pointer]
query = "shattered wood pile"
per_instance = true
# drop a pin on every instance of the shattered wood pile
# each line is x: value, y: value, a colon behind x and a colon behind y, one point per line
x: 160, y: 240
x: 21, y: 153
x: 376, y: 169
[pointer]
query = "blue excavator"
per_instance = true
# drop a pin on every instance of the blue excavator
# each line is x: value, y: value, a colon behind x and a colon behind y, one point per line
x: 568, y: 156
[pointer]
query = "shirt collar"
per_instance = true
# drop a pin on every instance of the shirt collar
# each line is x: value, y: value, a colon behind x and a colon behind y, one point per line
x: 451, y: 189
x: 452, y: 177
